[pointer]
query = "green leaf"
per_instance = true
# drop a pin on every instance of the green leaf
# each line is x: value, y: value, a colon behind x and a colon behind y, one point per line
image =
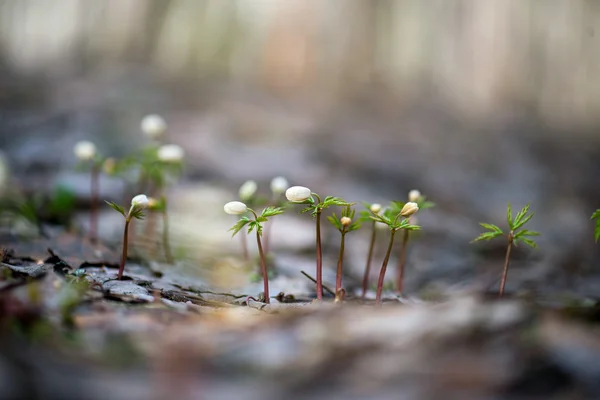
x: 529, y: 242
x: 522, y: 221
x: 335, y: 221
x: 526, y: 232
x: 509, y: 217
x: 239, y: 225
x: 271, y: 211
x: 255, y: 225
x: 491, y: 227
x: 335, y: 201
x: 486, y: 236
x: 596, y: 214
x: 597, y: 230
x: 116, y: 207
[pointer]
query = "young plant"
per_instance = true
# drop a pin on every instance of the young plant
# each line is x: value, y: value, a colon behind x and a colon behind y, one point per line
x: 344, y: 225
x: 514, y: 235
x: 391, y: 218
x: 138, y: 204
x: 303, y: 195
x: 596, y: 216
x: 239, y: 208
x: 86, y: 153
x: 366, y: 215
x: 415, y: 197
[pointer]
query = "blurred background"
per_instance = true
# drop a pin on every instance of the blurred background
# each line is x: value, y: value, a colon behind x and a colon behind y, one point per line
x: 474, y: 103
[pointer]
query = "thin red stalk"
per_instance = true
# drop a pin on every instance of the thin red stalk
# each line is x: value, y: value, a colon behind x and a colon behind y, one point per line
x: 384, y: 267
x: 365, y: 282
x: 402, y: 262
x: 263, y: 267
x: 94, y: 192
x: 338, y: 275
x: 319, y: 259
x: 124, y: 255
x: 506, y: 262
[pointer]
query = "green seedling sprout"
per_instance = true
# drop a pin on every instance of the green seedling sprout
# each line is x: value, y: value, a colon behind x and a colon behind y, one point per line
x: 416, y: 197
x: 391, y: 217
x: 239, y: 208
x: 247, y: 194
x: 303, y: 195
x: 366, y: 215
x: 344, y: 225
x: 138, y: 204
x: 86, y: 153
x: 596, y: 216
x: 514, y: 235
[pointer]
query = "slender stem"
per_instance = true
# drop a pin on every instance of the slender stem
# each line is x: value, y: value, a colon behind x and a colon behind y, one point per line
x: 506, y: 262
x: 365, y: 282
x: 402, y: 261
x: 263, y: 267
x: 124, y: 255
x: 319, y: 259
x: 94, y: 190
x: 338, y: 275
x: 384, y: 267
x: 165, y: 237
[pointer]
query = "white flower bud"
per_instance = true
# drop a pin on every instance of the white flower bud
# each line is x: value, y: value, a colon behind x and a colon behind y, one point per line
x: 346, y: 221
x: 139, y: 201
x: 375, y: 208
x: 409, y: 209
x: 298, y: 194
x: 85, y: 150
x: 279, y: 184
x: 414, y: 195
x: 153, y: 126
x: 170, y: 153
x: 235, y: 208
x: 153, y: 203
x: 247, y: 190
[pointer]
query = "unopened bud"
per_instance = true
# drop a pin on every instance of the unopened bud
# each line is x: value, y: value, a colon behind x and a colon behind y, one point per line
x: 153, y: 126
x: 346, y: 221
x: 140, y: 201
x: 298, y: 194
x: 279, y: 184
x: 409, y: 209
x: 235, y: 208
x: 414, y: 195
x: 170, y: 153
x: 85, y: 150
x: 375, y: 208
x: 247, y: 190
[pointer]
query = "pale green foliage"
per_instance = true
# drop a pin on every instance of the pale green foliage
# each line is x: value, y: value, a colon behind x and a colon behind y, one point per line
x: 134, y: 212
x: 596, y: 216
x: 256, y: 223
x: 514, y: 224
x: 346, y: 212
x: 315, y: 207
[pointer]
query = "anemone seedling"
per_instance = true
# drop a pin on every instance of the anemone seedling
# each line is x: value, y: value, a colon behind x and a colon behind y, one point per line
x: 246, y: 194
x: 344, y: 225
x: 514, y: 235
x: 416, y: 197
x: 366, y: 215
x: 138, y: 204
x: 392, y: 218
x: 86, y: 153
x: 303, y: 195
x: 239, y: 208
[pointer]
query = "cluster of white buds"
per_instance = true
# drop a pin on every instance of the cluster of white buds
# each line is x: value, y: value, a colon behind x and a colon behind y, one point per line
x: 414, y: 195
x: 248, y: 190
x: 409, y: 209
x: 85, y: 150
x: 235, y: 208
x: 298, y: 194
x: 170, y: 153
x: 153, y: 126
x: 279, y: 185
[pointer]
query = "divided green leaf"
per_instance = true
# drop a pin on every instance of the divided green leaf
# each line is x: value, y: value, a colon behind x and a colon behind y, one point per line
x: 116, y: 207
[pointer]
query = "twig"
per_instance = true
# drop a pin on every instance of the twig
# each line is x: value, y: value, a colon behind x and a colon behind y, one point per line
x: 331, y: 292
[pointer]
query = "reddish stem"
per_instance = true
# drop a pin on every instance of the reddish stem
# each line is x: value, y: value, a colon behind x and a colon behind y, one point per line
x: 263, y: 267
x: 338, y: 275
x: 319, y: 259
x: 94, y: 192
x: 365, y: 282
x: 506, y: 262
x: 402, y: 262
x: 124, y: 255
x: 384, y: 267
